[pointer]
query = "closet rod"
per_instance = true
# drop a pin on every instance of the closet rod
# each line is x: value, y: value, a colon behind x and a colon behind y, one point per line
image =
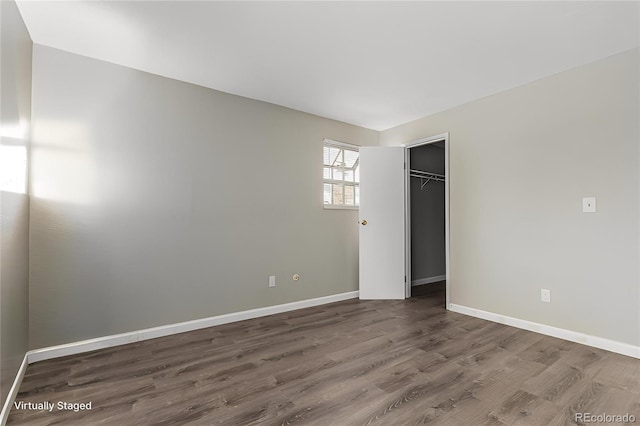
x: 426, y: 177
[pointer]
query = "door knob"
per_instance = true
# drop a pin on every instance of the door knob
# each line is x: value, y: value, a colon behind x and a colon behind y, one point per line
x: 364, y: 222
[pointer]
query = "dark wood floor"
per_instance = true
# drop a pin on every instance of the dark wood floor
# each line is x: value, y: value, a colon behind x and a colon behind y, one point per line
x: 348, y: 363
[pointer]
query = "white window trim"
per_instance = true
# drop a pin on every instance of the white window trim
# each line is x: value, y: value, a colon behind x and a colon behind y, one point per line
x: 339, y: 144
x: 336, y: 207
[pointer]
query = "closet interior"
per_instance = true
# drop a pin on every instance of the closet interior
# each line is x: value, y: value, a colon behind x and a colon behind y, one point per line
x: 427, y: 219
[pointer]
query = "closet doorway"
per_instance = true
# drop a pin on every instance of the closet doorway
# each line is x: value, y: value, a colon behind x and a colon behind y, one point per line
x: 427, y: 218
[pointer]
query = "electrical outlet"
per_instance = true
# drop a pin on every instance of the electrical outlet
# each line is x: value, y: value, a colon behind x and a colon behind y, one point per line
x: 545, y: 295
x: 272, y: 281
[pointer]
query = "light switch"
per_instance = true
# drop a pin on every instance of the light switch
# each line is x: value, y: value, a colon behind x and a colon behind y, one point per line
x: 589, y: 205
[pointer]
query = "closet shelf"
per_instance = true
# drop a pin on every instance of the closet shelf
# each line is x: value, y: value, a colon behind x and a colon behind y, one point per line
x: 426, y: 177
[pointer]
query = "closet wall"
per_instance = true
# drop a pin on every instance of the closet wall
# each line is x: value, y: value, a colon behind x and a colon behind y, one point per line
x: 427, y: 215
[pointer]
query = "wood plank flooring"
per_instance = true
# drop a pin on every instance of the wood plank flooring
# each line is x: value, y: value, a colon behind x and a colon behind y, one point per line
x: 348, y: 363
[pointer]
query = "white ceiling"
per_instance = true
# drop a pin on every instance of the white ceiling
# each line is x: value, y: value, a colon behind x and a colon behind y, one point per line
x: 374, y: 64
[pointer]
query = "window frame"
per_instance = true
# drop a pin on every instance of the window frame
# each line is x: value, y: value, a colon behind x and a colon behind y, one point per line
x: 341, y: 145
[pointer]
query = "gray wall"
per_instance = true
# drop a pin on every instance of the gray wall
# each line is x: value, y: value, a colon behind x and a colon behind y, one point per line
x: 520, y: 163
x: 427, y: 214
x: 15, y: 106
x: 155, y: 201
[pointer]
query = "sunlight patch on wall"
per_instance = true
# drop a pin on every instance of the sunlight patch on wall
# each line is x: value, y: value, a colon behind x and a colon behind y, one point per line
x: 63, y: 164
x: 13, y: 168
x: 13, y: 157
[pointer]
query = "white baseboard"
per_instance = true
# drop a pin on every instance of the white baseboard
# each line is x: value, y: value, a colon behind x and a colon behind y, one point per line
x: 166, y: 330
x: 428, y: 280
x: 13, y: 392
x: 572, y: 336
x: 151, y: 333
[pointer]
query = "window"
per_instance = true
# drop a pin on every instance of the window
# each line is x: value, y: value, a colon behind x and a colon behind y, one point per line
x: 341, y: 175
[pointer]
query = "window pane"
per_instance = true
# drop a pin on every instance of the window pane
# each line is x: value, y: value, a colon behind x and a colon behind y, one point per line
x: 337, y: 174
x: 327, y: 193
x: 358, y: 174
x: 348, y: 175
x: 326, y: 173
x: 325, y: 156
x: 335, y: 156
x: 357, y: 197
x: 349, y: 195
x: 330, y: 155
x: 338, y: 195
x: 350, y: 157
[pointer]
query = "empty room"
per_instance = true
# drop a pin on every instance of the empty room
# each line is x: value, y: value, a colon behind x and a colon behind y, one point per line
x: 319, y: 213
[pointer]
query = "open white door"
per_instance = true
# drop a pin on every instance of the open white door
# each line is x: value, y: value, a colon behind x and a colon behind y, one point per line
x: 382, y: 228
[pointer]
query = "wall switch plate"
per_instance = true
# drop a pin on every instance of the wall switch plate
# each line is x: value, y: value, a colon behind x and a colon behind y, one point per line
x: 272, y: 281
x: 589, y: 205
x: 545, y: 295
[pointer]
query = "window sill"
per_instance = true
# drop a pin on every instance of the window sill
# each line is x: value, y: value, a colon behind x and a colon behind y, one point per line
x: 334, y: 207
